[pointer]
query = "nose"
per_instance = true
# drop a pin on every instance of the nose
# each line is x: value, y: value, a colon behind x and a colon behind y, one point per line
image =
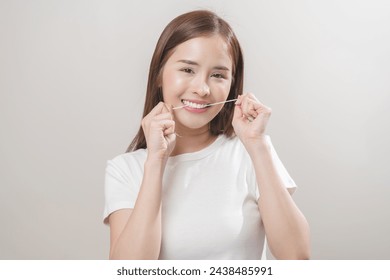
x: 200, y: 86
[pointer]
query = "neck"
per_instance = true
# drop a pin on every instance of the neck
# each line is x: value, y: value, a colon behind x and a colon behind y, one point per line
x: 192, y: 140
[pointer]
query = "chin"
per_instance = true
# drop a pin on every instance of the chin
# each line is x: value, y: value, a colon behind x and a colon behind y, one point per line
x: 193, y: 125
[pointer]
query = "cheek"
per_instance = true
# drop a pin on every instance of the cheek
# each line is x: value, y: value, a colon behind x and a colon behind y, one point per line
x: 172, y: 82
x: 221, y: 89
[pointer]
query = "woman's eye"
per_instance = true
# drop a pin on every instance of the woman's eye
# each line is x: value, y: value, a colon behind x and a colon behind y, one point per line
x: 187, y: 70
x: 218, y: 76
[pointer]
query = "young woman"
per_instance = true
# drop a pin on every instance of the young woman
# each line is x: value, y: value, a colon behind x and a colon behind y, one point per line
x: 201, y: 181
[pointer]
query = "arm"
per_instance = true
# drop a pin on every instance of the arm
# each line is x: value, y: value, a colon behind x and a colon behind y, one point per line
x: 286, y: 228
x: 136, y: 233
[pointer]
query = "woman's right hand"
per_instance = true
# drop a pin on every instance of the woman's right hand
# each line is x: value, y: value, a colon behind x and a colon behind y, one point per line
x: 159, y: 130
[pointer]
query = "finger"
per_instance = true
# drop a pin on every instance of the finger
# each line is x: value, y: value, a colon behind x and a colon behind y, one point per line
x: 249, y: 96
x: 250, y: 107
x: 169, y: 107
x: 157, y: 109
x: 169, y: 130
x: 162, y: 123
x: 171, y: 137
x: 262, y: 109
x: 163, y: 116
x: 155, y: 114
x: 165, y: 108
x: 237, y: 111
x: 170, y: 110
x: 244, y: 103
x: 239, y: 100
x: 166, y: 127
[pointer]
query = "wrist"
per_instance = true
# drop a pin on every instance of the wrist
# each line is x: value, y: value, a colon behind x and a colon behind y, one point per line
x: 257, y: 143
x: 155, y: 163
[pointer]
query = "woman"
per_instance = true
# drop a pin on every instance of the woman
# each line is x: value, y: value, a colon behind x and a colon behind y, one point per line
x: 201, y: 181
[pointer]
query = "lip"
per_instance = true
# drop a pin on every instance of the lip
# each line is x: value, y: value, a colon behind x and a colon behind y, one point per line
x: 196, y: 110
x: 196, y: 101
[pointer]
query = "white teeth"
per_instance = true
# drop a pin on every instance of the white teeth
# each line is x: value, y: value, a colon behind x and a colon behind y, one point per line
x: 194, y: 105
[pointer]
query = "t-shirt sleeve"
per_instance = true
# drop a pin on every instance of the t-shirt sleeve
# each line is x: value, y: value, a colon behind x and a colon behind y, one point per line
x: 282, y: 171
x: 120, y: 187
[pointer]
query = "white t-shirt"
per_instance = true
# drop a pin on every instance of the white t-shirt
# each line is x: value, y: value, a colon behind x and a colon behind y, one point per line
x: 209, y: 201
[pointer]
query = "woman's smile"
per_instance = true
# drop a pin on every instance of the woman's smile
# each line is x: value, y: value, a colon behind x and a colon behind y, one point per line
x: 197, y: 74
x: 194, y: 104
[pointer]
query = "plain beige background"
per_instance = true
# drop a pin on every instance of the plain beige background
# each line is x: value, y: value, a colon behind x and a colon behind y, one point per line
x: 72, y: 82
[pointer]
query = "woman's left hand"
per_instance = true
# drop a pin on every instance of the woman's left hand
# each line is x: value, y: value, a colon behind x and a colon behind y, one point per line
x: 250, y: 118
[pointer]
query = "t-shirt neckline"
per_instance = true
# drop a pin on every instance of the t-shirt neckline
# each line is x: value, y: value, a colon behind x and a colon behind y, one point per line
x: 199, y: 154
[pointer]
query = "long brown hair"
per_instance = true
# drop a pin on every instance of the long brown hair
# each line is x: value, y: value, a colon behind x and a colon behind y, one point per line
x: 183, y: 28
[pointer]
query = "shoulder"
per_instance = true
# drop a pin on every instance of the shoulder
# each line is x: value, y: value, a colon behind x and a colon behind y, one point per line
x: 122, y: 181
x: 232, y: 145
x: 128, y: 161
x: 129, y: 158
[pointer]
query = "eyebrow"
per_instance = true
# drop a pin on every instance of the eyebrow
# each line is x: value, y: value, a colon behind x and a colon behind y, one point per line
x: 190, y: 62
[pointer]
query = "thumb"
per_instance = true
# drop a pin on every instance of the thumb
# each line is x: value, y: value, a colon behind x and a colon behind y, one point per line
x: 237, y: 112
x: 165, y: 108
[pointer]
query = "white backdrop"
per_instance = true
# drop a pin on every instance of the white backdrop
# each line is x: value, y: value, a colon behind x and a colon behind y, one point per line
x: 72, y: 82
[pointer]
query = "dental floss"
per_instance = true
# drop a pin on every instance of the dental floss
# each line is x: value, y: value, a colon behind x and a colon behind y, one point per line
x: 208, y: 105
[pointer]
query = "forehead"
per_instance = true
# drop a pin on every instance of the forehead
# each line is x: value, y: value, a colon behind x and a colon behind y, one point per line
x: 212, y: 48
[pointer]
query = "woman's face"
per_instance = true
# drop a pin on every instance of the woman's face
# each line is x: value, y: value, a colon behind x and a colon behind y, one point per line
x: 198, y: 72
